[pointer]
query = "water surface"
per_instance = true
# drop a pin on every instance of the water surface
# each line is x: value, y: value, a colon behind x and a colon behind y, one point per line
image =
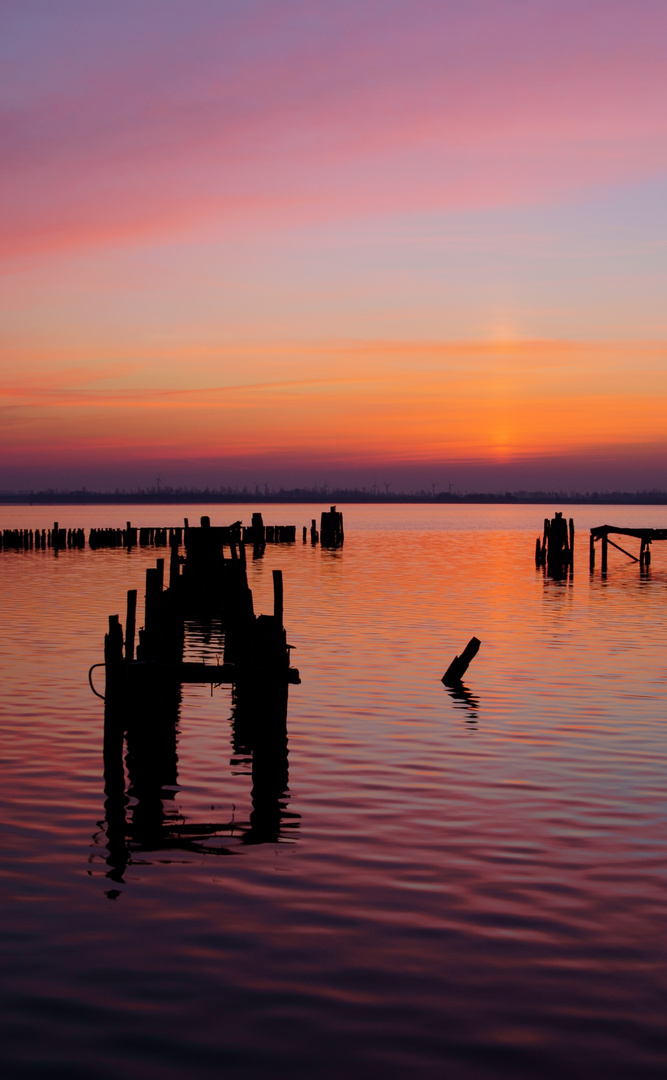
x: 467, y: 886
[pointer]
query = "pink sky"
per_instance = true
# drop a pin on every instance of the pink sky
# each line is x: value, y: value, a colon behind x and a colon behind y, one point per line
x: 305, y: 239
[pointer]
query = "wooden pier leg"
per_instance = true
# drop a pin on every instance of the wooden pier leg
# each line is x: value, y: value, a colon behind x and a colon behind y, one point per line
x: 538, y: 552
x: 278, y: 596
x: 113, y: 657
x: 571, y: 541
x: 605, y: 548
x: 591, y: 553
x: 152, y: 603
x: 130, y: 621
x: 174, y: 566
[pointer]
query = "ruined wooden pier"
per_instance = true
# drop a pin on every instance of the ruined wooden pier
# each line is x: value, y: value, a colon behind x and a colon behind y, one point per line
x: 145, y: 671
x: 203, y: 583
x: 603, y: 534
x: 257, y: 534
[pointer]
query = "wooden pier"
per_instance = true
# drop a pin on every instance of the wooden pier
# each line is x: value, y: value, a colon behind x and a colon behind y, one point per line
x: 203, y: 583
x: 603, y: 534
x: 145, y: 672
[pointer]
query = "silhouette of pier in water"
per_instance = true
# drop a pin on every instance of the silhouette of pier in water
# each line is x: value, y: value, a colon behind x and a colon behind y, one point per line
x: 555, y: 550
x: 257, y: 534
x: 603, y: 533
x: 144, y: 673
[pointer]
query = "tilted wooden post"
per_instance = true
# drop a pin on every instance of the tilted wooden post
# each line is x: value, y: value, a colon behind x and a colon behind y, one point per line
x: 459, y: 664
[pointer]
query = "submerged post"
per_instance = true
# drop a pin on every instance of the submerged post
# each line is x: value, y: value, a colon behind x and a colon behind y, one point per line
x: 459, y: 664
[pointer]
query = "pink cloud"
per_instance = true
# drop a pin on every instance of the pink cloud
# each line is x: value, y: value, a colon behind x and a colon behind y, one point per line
x: 296, y: 111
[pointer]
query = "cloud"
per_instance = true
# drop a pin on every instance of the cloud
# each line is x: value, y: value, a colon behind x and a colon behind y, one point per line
x: 249, y: 116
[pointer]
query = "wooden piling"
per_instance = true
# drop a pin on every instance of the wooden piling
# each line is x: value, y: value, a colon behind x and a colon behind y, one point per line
x: 130, y: 621
x: 278, y: 596
x: 459, y: 664
x: 174, y: 566
x: 591, y: 553
x: 113, y: 657
x: 605, y: 549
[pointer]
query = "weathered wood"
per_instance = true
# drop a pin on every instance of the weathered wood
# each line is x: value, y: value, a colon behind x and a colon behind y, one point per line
x: 113, y: 657
x: 278, y: 596
x: 216, y: 674
x: 459, y: 664
x: 130, y: 621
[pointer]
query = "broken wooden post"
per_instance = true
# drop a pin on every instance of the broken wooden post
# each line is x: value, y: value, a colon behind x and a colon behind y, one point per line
x: 113, y: 657
x: 459, y: 664
x: 278, y: 596
x: 605, y: 550
x: 571, y: 541
x: 130, y: 621
x: 591, y: 553
x: 174, y: 565
x: 538, y: 552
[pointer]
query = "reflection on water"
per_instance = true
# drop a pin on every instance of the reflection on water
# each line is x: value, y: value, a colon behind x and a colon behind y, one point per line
x: 479, y: 888
x: 465, y: 700
x: 142, y: 817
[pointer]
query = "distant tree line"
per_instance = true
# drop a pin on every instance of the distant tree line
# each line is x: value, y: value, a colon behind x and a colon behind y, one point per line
x: 169, y: 495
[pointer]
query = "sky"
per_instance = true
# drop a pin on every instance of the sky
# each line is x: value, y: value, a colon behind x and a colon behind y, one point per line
x: 300, y: 243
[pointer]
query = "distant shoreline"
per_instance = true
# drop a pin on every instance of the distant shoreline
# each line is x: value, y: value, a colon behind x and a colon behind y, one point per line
x: 299, y: 496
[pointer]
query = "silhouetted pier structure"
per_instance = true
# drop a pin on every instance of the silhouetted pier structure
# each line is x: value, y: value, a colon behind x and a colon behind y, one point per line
x: 141, y: 778
x: 143, y: 691
x: 603, y: 534
x: 256, y: 534
x: 205, y: 583
x: 556, y: 549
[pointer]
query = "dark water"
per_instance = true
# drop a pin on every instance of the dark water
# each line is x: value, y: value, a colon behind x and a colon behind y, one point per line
x: 468, y: 886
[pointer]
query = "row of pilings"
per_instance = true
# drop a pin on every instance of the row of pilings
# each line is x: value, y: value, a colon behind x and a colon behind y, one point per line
x: 258, y: 535
x: 56, y: 538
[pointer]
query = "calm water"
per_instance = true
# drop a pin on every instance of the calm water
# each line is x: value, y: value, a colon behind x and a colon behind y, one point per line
x: 468, y: 887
